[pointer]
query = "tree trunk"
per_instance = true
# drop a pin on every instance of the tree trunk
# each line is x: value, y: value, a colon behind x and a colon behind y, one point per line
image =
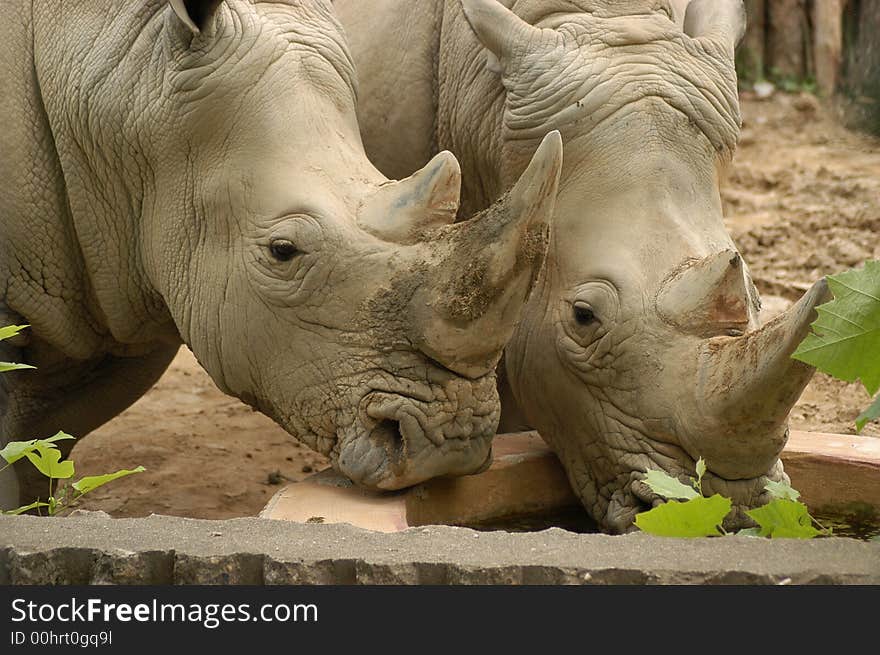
x: 861, y: 76
x: 787, y: 38
x: 750, y: 54
x: 828, y: 44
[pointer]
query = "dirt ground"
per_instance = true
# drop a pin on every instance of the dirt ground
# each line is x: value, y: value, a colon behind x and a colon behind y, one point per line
x: 802, y: 201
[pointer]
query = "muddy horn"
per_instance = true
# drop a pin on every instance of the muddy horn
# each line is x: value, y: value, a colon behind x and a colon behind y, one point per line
x: 483, y: 269
x: 752, y: 382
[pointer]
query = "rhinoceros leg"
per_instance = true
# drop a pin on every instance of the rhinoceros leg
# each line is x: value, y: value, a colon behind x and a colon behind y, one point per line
x: 68, y: 395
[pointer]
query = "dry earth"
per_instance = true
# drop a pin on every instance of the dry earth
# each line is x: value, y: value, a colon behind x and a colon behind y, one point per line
x: 802, y: 201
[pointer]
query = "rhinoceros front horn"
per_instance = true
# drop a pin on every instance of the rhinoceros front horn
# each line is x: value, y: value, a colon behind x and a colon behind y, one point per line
x: 749, y: 384
x: 482, y: 270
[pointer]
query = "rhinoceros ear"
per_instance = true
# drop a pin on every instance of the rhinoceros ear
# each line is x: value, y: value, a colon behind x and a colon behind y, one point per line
x: 721, y: 20
x: 195, y: 14
x: 504, y: 34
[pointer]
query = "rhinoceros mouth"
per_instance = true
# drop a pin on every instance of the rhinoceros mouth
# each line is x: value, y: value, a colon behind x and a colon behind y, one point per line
x: 615, y: 496
x: 745, y: 493
x: 401, y: 440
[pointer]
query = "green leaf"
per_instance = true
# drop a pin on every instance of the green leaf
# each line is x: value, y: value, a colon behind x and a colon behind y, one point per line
x: 847, y: 332
x: 90, y: 482
x: 665, y: 485
x: 47, y: 460
x: 25, y: 508
x: 701, y: 469
x: 749, y: 532
x: 782, y: 517
x: 10, y: 331
x: 11, y: 366
x: 782, y: 490
x: 15, y: 450
x: 870, y: 414
x: 697, y: 517
x: 58, y: 436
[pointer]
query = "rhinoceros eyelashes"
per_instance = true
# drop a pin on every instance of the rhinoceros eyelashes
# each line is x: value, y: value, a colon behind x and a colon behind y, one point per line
x: 283, y: 250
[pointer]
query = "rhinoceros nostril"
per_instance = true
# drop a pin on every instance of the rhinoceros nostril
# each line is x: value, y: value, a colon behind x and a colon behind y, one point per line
x: 387, y: 435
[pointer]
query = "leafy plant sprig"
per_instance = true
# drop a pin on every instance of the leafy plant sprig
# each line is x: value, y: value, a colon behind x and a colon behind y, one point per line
x: 688, y: 513
x: 845, y: 338
x: 46, y: 457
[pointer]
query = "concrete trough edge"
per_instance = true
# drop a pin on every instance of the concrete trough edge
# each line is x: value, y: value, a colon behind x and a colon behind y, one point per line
x: 96, y: 549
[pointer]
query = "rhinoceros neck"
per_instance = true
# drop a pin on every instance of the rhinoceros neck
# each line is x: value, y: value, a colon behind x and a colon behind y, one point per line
x: 90, y: 63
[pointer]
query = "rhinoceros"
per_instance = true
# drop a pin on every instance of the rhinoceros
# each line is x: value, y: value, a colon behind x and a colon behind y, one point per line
x: 640, y: 347
x: 192, y: 172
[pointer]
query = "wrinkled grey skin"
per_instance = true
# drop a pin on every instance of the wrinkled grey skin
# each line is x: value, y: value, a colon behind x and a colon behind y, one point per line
x: 640, y: 348
x: 193, y: 172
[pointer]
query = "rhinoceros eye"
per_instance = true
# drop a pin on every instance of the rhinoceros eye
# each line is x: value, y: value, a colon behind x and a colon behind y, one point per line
x: 584, y: 314
x: 283, y: 250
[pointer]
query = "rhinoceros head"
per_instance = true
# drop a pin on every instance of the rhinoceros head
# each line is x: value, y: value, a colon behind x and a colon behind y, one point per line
x: 348, y: 307
x: 640, y: 348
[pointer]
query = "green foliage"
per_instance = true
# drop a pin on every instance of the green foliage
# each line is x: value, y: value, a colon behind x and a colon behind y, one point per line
x: 15, y: 450
x: 870, y: 414
x: 700, y: 516
x: 10, y: 331
x: 846, y: 337
x: 697, y: 517
x: 668, y: 487
x: 782, y: 490
x: 782, y: 517
x: 792, y: 84
x: 90, y: 482
x: 45, y: 456
x: 47, y: 459
x: 7, y: 333
x: 845, y: 341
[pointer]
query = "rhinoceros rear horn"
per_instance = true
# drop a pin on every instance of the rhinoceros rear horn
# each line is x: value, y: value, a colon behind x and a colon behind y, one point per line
x: 502, y: 33
x: 723, y: 21
x: 483, y: 270
x: 404, y: 211
x: 195, y: 14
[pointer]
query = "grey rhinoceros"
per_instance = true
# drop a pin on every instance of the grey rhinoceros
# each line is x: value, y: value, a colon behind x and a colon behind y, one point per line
x: 640, y: 347
x: 192, y: 171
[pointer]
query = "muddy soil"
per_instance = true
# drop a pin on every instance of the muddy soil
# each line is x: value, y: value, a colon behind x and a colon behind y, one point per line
x: 802, y: 200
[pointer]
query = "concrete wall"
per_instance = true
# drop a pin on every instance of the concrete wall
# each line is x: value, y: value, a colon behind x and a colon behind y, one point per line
x: 95, y: 549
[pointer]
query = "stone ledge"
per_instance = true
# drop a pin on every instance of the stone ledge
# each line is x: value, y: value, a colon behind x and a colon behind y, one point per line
x: 94, y: 549
x: 833, y: 472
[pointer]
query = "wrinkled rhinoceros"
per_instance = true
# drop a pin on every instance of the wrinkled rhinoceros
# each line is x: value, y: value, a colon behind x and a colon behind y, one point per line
x: 640, y: 347
x: 193, y: 172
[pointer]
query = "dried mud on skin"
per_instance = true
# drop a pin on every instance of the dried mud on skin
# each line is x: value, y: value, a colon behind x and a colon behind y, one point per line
x: 802, y: 200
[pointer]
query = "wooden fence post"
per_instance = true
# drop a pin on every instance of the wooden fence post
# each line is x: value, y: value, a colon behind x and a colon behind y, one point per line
x: 787, y: 39
x: 828, y: 44
x: 750, y: 54
x: 861, y: 73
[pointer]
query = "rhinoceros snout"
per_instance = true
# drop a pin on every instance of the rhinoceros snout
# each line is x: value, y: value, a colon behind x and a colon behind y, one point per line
x: 400, y: 441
